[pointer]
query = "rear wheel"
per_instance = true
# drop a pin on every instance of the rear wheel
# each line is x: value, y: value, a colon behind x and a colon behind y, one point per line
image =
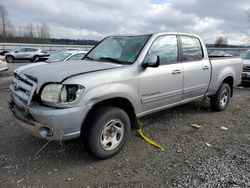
x: 9, y: 59
x: 108, y: 132
x: 221, y: 99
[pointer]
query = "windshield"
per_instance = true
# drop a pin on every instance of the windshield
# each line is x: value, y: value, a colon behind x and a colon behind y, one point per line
x: 246, y: 55
x: 58, y: 57
x: 118, y: 49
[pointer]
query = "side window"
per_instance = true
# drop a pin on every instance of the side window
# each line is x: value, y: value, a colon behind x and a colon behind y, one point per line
x: 21, y: 50
x: 76, y: 57
x: 191, y: 49
x: 166, y: 48
x: 30, y: 49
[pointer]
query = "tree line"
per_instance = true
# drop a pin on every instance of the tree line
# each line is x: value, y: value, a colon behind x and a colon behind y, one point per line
x: 29, y: 33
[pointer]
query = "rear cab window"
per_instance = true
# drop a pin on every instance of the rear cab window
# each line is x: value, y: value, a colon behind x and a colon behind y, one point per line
x: 191, y: 49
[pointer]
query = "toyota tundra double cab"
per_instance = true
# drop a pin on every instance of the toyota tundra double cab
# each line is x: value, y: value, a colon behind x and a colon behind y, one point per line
x: 119, y: 80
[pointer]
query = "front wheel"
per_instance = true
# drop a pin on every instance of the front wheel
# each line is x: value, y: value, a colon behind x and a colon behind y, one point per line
x: 108, y: 132
x: 221, y: 99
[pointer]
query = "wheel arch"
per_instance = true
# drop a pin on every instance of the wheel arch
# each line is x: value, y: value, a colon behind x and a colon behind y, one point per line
x: 230, y: 81
x: 119, y: 102
x: 34, y: 57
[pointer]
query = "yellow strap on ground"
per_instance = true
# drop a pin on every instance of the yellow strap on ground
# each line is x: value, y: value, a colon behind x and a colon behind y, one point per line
x: 147, y: 139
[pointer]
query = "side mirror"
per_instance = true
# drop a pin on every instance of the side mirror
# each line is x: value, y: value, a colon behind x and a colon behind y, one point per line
x: 151, y: 61
x: 16, y: 51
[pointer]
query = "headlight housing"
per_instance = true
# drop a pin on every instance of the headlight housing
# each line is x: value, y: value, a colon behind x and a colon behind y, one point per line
x: 57, y: 94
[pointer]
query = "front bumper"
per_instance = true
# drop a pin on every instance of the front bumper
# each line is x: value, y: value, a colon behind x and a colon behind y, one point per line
x: 245, y: 77
x: 61, y: 124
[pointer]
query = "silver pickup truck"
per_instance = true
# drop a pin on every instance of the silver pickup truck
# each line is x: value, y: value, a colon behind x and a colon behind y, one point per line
x: 119, y: 80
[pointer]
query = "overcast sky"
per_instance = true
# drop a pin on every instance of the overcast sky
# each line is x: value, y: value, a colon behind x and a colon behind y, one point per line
x: 95, y: 19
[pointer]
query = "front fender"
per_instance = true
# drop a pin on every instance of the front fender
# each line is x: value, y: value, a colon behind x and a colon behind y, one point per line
x: 109, y: 91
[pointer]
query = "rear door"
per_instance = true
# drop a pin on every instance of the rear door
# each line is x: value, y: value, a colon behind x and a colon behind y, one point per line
x: 197, y: 70
x: 162, y: 86
x: 30, y: 52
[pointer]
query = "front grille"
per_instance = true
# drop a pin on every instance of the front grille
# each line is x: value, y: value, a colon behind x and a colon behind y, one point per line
x: 23, y: 87
x: 246, y: 68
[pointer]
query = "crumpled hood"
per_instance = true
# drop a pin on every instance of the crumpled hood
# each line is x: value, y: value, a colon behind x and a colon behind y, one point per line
x: 57, y: 72
x: 20, y: 69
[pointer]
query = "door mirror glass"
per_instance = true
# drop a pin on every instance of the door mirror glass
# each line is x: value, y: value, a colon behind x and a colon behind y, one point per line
x: 151, y: 61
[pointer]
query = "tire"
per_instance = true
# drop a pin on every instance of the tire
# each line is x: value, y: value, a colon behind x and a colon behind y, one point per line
x: 35, y: 58
x: 108, y: 132
x: 10, y: 59
x: 220, y: 100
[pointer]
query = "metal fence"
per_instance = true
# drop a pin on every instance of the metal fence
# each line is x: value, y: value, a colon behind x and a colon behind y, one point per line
x: 233, y: 51
x: 55, y: 47
x: 46, y: 47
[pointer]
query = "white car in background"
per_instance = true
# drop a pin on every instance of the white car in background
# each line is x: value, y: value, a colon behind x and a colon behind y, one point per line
x: 26, y: 53
x: 69, y: 55
x: 246, y: 66
x: 3, y: 64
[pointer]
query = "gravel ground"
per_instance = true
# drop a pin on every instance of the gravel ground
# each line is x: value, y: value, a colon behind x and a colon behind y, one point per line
x: 206, y: 157
x: 7, y: 76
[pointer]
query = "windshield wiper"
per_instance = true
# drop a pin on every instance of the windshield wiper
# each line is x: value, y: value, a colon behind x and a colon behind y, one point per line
x: 110, y: 59
x: 113, y: 60
x: 87, y: 57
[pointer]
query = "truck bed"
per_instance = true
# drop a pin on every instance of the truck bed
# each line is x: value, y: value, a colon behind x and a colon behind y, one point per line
x: 220, y: 65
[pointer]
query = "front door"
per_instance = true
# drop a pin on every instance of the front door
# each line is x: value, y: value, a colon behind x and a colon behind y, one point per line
x: 19, y: 53
x: 162, y: 86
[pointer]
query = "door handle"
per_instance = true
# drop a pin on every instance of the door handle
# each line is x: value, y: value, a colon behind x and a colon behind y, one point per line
x: 205, y: 67
x: 176, y: 71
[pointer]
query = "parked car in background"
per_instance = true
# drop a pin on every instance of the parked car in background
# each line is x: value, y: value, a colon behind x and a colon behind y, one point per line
x: 246, y: 66
x: 3, y: 52
x: 26, y: 53
x: 3, y: 64
x: 68, y: 49
x: 68, y: 55
x: 55, y: 58
x: 75, y: 54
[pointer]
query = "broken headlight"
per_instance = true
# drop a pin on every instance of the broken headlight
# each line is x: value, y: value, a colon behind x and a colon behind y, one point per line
x: 61, y: 94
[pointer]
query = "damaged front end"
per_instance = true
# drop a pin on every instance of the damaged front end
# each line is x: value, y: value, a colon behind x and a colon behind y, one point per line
x: 39, y: 120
